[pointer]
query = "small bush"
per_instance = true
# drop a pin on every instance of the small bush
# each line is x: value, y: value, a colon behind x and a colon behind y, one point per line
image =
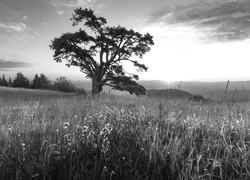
x: 198, y: 98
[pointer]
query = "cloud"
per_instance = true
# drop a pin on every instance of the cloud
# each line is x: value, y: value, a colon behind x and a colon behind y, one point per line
x: 63, y: 6
x: 9, y: 61
x: 15, y: 31
x: 17, y: 27
x: 9, y: 64
x: 222, y: 21
x: 75, y: 3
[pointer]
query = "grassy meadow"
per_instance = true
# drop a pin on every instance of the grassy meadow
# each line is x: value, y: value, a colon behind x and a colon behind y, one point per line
x: 51, y: 135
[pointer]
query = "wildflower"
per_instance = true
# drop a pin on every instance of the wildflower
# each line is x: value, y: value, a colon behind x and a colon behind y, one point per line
x: 216, y: 163
x: 108, y: 127
x: 56, y: 152
x: 35, y: 175
x: 91, y: 138
x: 66, y: 125
x: 23, y: 146
x: 67, y: 136
x: 85, y: 128
x: 78, y: 127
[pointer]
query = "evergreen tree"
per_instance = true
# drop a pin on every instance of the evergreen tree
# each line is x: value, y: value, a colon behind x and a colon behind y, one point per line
x: 41, y: 82
x: 35, y: 84
x: 4, y: 82
x: 44, y: 82
x: 21, y: 81
x: 10, y: 83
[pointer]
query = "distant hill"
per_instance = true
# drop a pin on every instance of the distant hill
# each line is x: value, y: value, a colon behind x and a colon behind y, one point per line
x: 169, y: 93
x: 237, y: 90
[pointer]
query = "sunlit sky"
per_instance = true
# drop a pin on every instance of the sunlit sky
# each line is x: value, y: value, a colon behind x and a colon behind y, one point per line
x: 195, y: 40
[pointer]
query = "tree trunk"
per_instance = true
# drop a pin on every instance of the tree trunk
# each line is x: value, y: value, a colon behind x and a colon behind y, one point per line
x: 96, y: 86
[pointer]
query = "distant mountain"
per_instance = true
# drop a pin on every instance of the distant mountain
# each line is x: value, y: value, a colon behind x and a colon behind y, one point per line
x: 169, y: 93
x: 196, y: 85
x: 237, y: 90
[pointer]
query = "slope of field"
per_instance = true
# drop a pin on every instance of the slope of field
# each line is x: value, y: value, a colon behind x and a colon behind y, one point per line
x: 51, y: 136
x: 30, y: 93
x: 169, y: 93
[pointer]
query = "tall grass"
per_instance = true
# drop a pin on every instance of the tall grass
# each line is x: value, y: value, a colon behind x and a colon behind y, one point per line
x: 46, y: 136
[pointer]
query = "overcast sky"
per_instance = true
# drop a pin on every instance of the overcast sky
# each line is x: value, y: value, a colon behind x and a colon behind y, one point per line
x: 204, y: 40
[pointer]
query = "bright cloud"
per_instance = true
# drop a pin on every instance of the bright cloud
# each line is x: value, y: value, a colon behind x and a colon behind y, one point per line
x: 13, y: 31
x: 222, y: 20
x: 17, y: 27
x: 63, y: 6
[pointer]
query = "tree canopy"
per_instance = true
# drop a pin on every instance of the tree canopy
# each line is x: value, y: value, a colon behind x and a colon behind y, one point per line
x: 100, y: 51
x: 3, y: 81
x: 21, y: 81
x: 41, y: 82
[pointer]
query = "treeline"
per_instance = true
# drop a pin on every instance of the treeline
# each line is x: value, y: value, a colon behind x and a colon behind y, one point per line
x: 41, y: 82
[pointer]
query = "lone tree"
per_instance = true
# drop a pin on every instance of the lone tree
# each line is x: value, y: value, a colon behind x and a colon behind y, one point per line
x: 100, y: 52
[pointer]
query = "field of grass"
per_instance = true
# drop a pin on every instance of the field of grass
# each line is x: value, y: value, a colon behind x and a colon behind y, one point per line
x: 46, y: 135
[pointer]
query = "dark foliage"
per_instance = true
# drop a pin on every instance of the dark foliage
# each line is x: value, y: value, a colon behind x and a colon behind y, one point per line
x: 198, y: 98
x: 3, y: 81
x: 21, y: 81
x: 81, y: 91
x: 41, y: 82
x: 64, y: 85
x: 10, y: 83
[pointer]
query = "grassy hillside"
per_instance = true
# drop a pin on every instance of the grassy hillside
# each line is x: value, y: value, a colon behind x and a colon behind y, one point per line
x: 169, y: 93
x: 21, y: 94
x: 53, y: 136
